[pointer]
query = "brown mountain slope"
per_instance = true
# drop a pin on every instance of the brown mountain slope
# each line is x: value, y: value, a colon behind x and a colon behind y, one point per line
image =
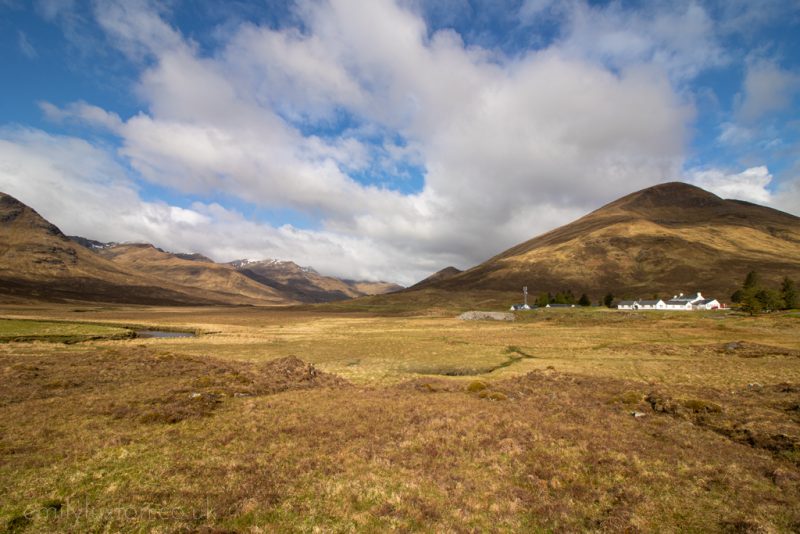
x: 305, y: 284
x: 665, y: 239
x: 221, y: 281
x: 438, y: 276
x: 38, y: 261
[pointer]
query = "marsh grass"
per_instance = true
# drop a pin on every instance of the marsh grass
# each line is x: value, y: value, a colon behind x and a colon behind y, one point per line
x: 19, y: 330
x: 226, y: 432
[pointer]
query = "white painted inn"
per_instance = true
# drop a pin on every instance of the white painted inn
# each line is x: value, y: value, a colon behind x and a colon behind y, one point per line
x: 677, y: 303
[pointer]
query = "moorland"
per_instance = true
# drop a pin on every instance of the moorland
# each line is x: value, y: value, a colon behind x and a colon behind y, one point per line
x: 340, y: 419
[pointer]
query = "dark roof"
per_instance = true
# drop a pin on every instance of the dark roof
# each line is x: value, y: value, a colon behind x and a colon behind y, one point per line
x: 650, y: 302
x: 705, y: 301
x: 626, y: 302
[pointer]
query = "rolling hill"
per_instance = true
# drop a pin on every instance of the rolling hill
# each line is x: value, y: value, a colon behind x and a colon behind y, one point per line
x: 37, y: 261
x: 670, y: 238
x: 221, y: 282
x: 437, y: 277
x: 307, y: 285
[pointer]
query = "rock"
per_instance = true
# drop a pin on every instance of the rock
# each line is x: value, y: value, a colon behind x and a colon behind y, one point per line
x: 486, y: 316
x: 638, y: 414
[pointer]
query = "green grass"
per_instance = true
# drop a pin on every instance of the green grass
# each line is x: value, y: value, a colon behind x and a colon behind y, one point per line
x: 64, y: 332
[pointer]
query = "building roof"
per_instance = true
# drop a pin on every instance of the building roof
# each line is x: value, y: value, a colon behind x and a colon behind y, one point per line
x: 626, y: 303
x: 650, y: 302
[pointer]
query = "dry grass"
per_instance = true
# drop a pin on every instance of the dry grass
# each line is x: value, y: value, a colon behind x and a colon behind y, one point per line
x: 224, y: 432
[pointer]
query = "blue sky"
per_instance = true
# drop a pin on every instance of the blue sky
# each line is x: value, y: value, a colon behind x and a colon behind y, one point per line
x: 386, y: 139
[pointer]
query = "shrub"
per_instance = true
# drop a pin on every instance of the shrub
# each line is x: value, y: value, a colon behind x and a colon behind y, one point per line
x: 477, y: 385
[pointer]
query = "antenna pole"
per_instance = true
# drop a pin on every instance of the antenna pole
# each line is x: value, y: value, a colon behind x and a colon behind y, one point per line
x: 525, y: 294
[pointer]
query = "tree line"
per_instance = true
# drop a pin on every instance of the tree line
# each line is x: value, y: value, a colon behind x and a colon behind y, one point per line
x: 562, y: 297
x: 753, y: 297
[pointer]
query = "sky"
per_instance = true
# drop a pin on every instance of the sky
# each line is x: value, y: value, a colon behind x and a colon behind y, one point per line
x: 386, y: 139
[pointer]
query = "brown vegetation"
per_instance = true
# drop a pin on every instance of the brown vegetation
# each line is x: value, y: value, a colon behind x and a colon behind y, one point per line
x: 602, y: 422
x: 664, y: 239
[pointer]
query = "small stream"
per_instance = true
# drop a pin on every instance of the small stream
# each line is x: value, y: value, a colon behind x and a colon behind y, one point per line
x: 162, y: 334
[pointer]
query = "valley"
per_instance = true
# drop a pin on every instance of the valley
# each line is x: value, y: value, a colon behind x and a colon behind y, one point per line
x: 284, y: 418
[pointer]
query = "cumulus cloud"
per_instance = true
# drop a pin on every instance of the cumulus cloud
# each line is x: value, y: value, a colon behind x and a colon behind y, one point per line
x: 751, y: 184
x: 767, y: 88
x: 679, y: 37
x: 508, y: 147
x: 754, y: 184
x: 545, y: 133
x: 80, y: 188
x: 84, y: 113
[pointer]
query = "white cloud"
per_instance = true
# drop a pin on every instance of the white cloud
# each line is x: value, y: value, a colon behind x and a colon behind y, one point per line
x: 509, y: 147
x: 82, y: 112
x: 80, y: 188
x: 25, y: 45
x: 137, y: 27
x: 679, y: 37
x: 751, y: 184
x: 787, y: 196
x: 767, y: 88
x: 735, y: 134
x: 754, y: 184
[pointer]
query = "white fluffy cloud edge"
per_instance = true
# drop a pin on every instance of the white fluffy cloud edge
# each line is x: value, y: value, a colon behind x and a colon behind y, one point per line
x: 509, y: 146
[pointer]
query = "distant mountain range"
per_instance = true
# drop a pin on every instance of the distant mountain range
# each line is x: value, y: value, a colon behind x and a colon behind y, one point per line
x: 666, y: 239
x: 663, y: 240
x: 307, y: 285
x: 39, y: 262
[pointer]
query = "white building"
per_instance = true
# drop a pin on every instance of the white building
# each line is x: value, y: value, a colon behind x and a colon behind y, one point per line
x: 677, y: 303
x: 651, y: 305
x: 706, y: 304
x: 683, y: 302
x: 626, y: 305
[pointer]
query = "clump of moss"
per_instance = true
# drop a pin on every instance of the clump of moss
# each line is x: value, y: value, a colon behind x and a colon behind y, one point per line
x: 476, y: 386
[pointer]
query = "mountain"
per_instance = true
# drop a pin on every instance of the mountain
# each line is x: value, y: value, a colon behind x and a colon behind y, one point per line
x: 219, y: 281
x: 438, y: 276
x: 37, y: 261
x: 307, y: 285
x: 666, y: 239
x: 91, y: 244
x: 193, y: 256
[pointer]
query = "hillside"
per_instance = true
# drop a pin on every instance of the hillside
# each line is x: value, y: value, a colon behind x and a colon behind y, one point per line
x: 438, y: 276
x: 37, y: 261
x: 304, y: 284
x: 222, y: 282
x: 669, y: 238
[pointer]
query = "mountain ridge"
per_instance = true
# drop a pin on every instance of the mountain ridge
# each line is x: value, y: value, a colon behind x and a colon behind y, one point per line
x: 666, y: 238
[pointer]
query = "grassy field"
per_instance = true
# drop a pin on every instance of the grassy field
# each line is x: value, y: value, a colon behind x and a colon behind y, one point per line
x: 306, y: 419
x: 57, y: 331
